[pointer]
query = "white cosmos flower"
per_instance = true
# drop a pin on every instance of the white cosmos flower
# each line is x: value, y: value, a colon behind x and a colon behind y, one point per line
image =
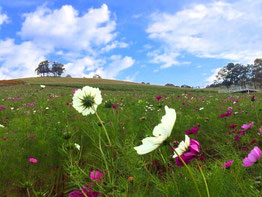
x: 77, y: 146
x: 161, y: 132
x: 86, y: 100
x: 182, y: 147
x: 42, y: 86
x: 2, y: 126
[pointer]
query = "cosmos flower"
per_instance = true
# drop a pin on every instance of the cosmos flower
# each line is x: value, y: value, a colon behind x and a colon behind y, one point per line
x: 87, y: 190
x: 252, y: 157
x: 2, y: 126
x: 32, y: 160
x: 86, y: 100
x: 194, y: 130
x: 96, y: 175
x: 77, y: 146
x: 227, y: 164
x: 161, y: 132
x: 158, y: 98
x: 42, y: 86
x: 247, y: 126
x: 187, y: 150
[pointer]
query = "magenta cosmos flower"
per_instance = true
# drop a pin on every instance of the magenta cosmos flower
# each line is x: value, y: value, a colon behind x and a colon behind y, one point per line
x: 252, y: 157
x: 228, y: 164
x: 194, y: 130
x: 32, y: 160
x: 187, y: 150
x: 87, y: 190
x: 96, y: 175
x: 158, y: 98
x: 247, y: 126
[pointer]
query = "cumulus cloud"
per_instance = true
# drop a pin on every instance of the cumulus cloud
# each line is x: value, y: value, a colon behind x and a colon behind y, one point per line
x: 215, y: 30
x: 3, y: 17
x: 79, y: 40
x: 212, y: 78
x: 65, y: 28
x: 19, y: 60
x: 116, y: 64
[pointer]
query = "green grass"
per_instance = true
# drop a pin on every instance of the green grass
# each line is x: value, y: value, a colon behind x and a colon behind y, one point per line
x: 49, y: 129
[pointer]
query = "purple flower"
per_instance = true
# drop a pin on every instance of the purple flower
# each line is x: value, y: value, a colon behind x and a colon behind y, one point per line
x: 247, y: 126
x: 158, y: 98
x: 252, y: 157
x: 237, y: 138
x: 227, y: 114
x: 194, y: 150
x: 2, y: 107
x: 227, y: 164
x: 194, y: 130
x: 253, y: 98
x: 96, y: 175
x: 87, y: 190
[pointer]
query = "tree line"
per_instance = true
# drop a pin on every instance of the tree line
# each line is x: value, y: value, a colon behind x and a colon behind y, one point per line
x: 240, y: 75
x: 45, y: 68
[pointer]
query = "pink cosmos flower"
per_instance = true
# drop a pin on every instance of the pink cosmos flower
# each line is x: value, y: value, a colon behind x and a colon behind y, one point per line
x: 247, y: 126
x: 232, y: 126
x: 96, y: 175
x: 230, y: 108
x: 74, y: 90
x: 237, y: 138
x: 32, y: 160
x: 227, y: 164
x: 194, y: 150
x: 227, y: 114
x: 158, y: 98
x: 252, y: 157
x: 87, y: 190
x: 2, y: 107
x: 194, y: 130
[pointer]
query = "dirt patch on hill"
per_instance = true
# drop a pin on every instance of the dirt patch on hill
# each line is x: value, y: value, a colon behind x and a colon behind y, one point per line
x: 10, y: 82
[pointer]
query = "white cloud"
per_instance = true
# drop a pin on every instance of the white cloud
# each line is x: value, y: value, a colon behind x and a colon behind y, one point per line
x: 217, y: 30
x: 212, y: 78
x: 19, y: 60
x: 79, y: 40
x: 3, y: 17
x: 65, y: 28
x: 116, y: 65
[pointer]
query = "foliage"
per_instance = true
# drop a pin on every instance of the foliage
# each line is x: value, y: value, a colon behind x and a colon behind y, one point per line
x: 46, y: 67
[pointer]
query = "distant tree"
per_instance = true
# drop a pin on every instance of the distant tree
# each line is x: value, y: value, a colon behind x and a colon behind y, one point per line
x: 57, y: 69
x: 256, y: 72
x: 68, y: 75
x: 43, y: 68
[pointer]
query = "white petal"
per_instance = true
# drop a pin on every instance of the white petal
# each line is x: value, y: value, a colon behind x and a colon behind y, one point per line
x: 148, y: 144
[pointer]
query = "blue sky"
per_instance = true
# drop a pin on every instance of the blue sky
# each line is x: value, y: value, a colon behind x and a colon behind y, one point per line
x: 167, y: 41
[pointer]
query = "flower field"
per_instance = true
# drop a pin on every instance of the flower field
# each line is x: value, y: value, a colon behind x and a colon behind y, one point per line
x: 128, y: 140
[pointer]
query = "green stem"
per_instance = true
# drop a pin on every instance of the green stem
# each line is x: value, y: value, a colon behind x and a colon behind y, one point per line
x: 104, y: 158
x: 190, y: 173
x: 28, y: 193
x: 204, y: 178
x: 103, y: 128
x: 82, y: 191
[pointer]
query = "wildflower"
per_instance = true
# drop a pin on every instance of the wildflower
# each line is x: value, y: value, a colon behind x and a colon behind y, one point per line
x: 253, y: 98
x: 42, y: 86
x: 227, y: 114
x: 86, y: 190
x: 230, y: 108
x: 74, y: 90
x: 194, y: 130
x: 2, y: 126
x: 201, y: 108
x: 158, y: 98
x: 252, y: 157
x: 77, y: 146
x: 244, y: 148
x: 2, y: 107
x: 32, y: 160
x: 228, y: 164
x: 237, y: 138
x: 247, y: 126
x: 182, y: 150
x: 5, y: 138
x: 96, y: 175
x: 86, y: 100
x: 161, y: 132
x: 232, y: 126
